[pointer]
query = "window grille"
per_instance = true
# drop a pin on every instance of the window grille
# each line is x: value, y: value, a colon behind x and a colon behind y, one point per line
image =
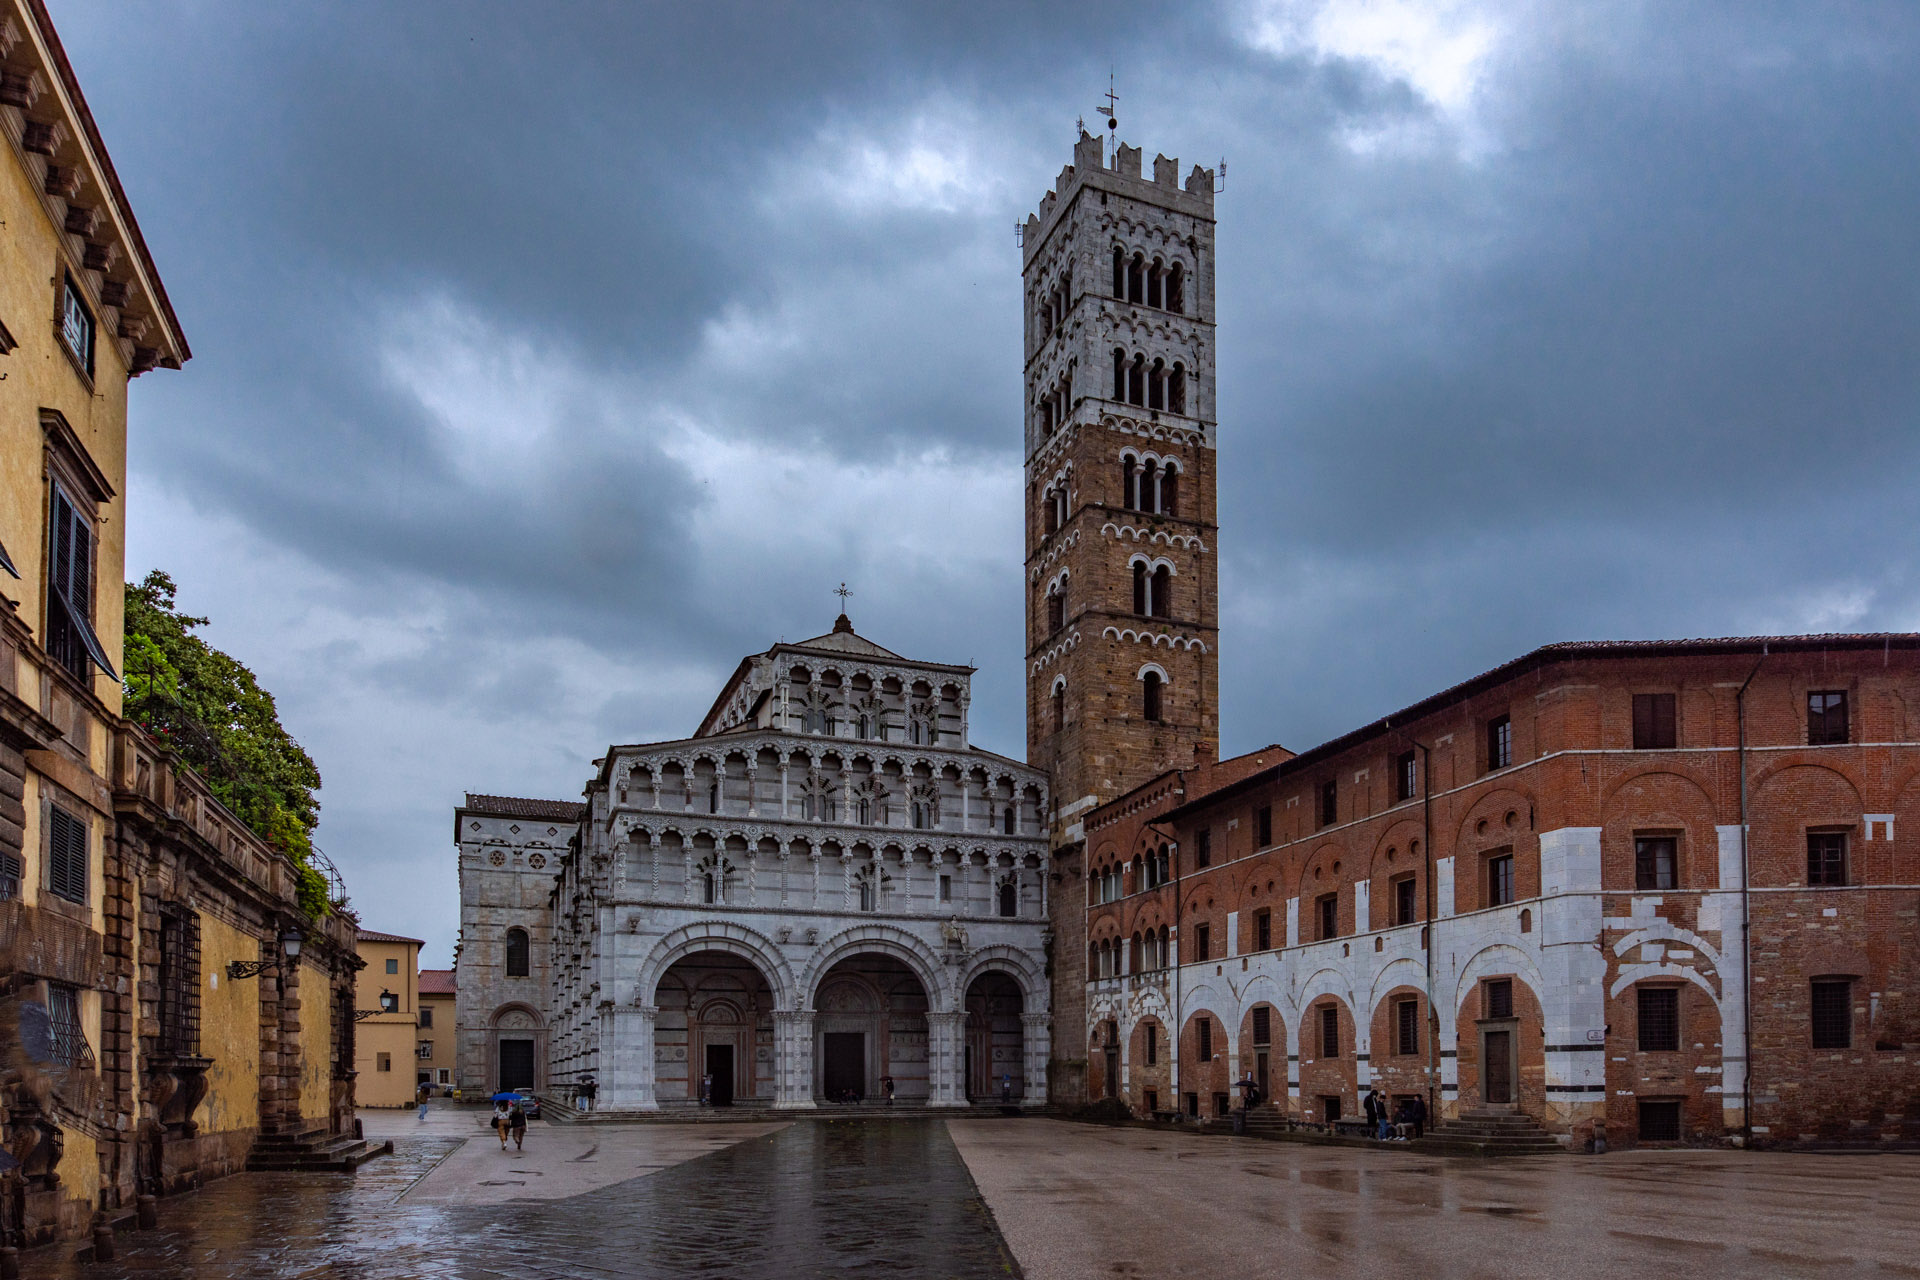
x: 1500, y: 998
x: 1659, y: 1120
x: 1654, y: 724
x: 1654, y: 863
x: 67, y: 855
x: 1206, y: 1039
x: 1407, y: 1027
x: 1329, y: 1031
x: 1832, y: 1013
x: 179, y: 987
x: 1827, y: 718
x: 70, y: 1047
x: 1826, y: 857
x: 1659, y: 1019
x: 425, y: 1050
x: 1153, y: 1045
x: 1263, y: 1025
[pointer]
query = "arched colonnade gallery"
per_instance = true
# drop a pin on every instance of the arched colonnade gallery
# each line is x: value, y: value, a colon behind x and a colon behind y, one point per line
x: 778, y: 1024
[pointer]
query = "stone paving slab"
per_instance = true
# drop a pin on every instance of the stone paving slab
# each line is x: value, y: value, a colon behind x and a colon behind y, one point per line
x: 1081, y: 1201
x: 814, y: 1201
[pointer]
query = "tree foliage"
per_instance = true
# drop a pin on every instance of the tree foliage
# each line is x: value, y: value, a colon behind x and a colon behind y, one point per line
x: 209, y: 708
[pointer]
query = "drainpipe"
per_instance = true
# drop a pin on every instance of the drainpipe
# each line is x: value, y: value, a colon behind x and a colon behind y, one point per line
x: 1426, y: 839
x: 1746, y: 911
x: 1176, y: 935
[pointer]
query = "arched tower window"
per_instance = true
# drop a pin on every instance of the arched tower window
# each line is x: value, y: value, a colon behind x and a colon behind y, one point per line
x: 1060, y: 505
x: 1140, y: 580
x: 1155, y: 273
x: 1119, y: 273
x: 1010, y: 817
x: 1150, y: 696
x: 1157, y: 386
x: 1057, y: 607
x: 1137, y: 279
x: 1162, y: 592
x: 1176, y: 290
x: 1059, y: 711
x: 1149, y: 486
x: 1177, y: 389
x: 1169, y: 505
x: 1129, y: 493
x: 1053, y: 513
x: 1009, y: 898
x: 1119, y: 373
x: 519, y: 961
x: 710, y: 889
x: 1137, y: 381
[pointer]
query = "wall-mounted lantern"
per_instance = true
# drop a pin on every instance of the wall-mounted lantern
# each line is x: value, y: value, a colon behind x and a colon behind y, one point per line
x: 289, y: 947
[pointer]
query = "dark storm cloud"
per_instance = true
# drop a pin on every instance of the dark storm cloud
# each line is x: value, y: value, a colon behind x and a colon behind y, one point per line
x: 553, y: 358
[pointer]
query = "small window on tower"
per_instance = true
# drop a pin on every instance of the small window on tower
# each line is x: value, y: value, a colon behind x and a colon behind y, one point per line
x: 1150, y: 696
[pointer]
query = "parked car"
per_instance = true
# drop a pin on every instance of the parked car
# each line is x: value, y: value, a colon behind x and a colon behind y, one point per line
x: 529, y: 1104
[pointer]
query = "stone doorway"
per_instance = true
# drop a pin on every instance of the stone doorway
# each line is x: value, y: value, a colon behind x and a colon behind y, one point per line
x: 996, y: 1047
x: 720, y: 1068
x: 715, y: 1019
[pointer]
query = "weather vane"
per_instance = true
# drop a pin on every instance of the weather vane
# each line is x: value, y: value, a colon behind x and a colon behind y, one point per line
x: 1112, y: 113
x: 843, y: 593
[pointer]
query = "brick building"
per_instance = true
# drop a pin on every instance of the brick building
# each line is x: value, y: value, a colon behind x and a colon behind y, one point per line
x: 1532, y: 891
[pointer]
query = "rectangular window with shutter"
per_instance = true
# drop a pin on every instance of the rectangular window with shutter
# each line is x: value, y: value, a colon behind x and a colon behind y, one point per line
x: 1654, y: 725
x: 1403, y: 776
x: 70, y: 638
x: 1827, y: 718
x: 1405, y: 908
x: 77, y: 326
x: 66, y: 854
x: 1263, y: 1025
x: 1328, y: 907
x: 1499, y: 742
x: 1500, y: 880
x: 1654, y: 862
x: 1205, y: 1030
x: 1329, y: 1031
x: 11, y: 870
x: 1407, y: 1027
x: 1201, y: 939
x: 1263, y: 930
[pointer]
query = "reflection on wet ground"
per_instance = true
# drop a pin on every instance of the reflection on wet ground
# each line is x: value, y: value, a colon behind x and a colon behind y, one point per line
x: 811, y: 1200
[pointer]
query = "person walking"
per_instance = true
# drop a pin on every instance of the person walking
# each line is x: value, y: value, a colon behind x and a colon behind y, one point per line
x: 1419, y: 1116
x: 501, y: 1119
x: 886, y: 1085
x: 517, y: 1124
x: 706, y: 1090
x: 1006, y: 1087
x: 423, y: 1094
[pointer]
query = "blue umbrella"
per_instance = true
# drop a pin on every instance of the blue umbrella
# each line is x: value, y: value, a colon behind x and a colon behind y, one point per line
x: 506, y: 1097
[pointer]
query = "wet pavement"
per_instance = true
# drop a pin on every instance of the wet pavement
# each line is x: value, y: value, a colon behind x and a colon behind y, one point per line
x: 1079, y: 1201
x: 818, y: 1200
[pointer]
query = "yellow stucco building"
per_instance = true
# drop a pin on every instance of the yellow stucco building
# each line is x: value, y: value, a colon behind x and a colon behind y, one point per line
x: 436, y: 1049
x: 147, y: 937
x: 387, y: 1008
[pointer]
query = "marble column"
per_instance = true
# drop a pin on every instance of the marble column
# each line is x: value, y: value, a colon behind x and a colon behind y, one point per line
x: 626, y: 1058
x: 1036, y: 1043
x: 947, y: 1058
x: 793, y: 1059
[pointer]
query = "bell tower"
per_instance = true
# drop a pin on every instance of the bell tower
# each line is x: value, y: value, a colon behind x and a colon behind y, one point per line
x: 1122, y: 582
x: 1122, y: 577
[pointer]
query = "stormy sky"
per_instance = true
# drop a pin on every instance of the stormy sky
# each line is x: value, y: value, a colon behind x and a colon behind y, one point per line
x: 550, y: 358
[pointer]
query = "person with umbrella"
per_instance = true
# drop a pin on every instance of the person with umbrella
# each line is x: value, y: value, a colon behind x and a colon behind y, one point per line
x: 504, y: 1105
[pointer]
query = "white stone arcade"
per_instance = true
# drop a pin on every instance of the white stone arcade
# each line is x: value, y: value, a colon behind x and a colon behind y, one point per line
x: 825, y: 887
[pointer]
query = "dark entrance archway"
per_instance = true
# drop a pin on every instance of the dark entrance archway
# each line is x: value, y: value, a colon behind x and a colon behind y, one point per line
x: 870, y: 1022
x: 516, y: 1065
x: 995, y: 1038
x: 715, y: 1026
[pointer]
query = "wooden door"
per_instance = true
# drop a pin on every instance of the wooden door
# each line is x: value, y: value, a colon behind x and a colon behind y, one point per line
x: 1497, y: 1054
x: 845, y: 1061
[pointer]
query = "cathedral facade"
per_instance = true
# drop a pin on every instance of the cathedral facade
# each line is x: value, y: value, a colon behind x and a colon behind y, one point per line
x: 825, y: 889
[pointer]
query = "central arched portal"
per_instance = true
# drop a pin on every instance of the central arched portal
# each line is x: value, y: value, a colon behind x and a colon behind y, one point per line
x: 870, y: 1022
x: 714, y: 1031
x: 995, y: 1038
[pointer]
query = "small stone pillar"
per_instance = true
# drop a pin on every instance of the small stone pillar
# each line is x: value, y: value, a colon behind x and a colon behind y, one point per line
x: 626, y: 1078
x: 1036, y: 1042
x: 946, y: 1058
x: 793, y: 1059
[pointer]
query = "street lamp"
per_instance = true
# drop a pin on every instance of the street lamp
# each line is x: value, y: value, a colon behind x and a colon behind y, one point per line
x: 289, y: 946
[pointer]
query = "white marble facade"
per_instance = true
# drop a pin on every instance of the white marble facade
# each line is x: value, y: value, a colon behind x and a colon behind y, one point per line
x: 824, y: 886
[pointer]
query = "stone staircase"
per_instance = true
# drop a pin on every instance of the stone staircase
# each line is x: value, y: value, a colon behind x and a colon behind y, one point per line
x: 1267, y: 1121
x: 678, y: 1112
x: 1488, y: 1133
x: 312, y: 1150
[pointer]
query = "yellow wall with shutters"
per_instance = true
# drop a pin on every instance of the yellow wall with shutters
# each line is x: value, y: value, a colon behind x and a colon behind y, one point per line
x: 229, y: 1029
